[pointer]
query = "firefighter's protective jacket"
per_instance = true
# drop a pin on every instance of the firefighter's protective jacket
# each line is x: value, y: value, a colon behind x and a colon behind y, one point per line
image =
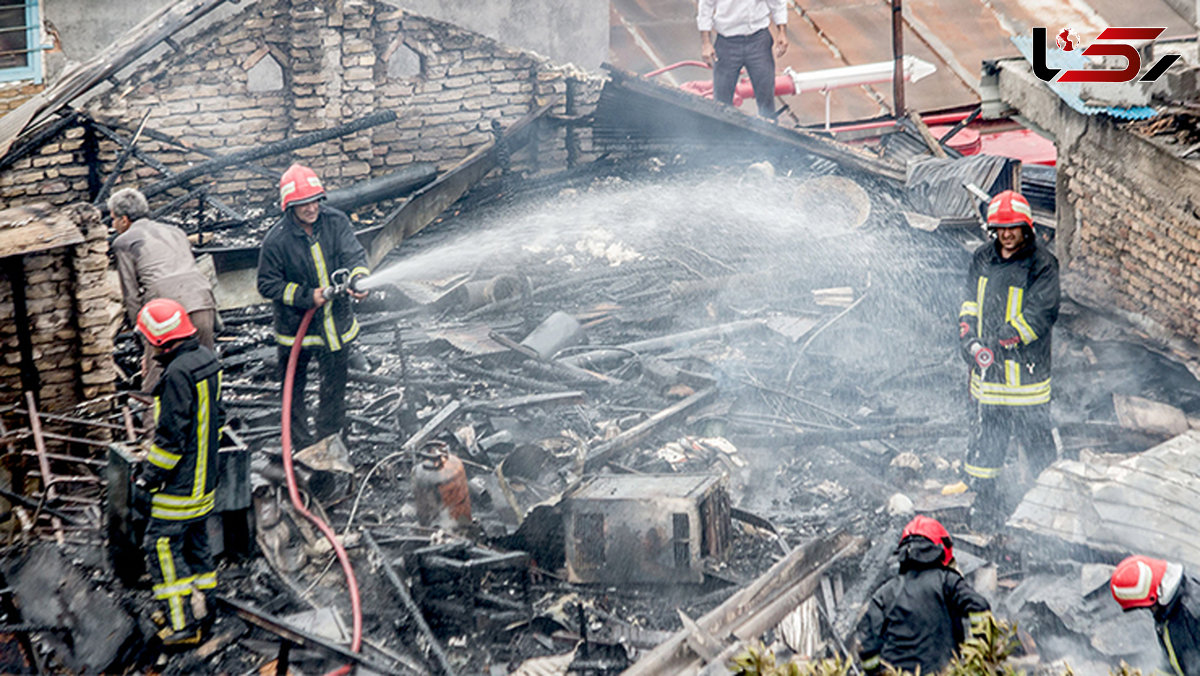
x: 916, y: 619
x: 1178, y: 627
x: 291, y: 265
x: 188, y: 420
x: 1006, y: 297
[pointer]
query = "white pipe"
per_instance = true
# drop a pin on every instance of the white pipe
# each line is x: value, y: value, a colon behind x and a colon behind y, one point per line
x: 854, y: 76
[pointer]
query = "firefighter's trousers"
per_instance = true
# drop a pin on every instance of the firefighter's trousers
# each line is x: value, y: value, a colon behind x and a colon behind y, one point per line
x: 998, y: 426
x: 180, y: 562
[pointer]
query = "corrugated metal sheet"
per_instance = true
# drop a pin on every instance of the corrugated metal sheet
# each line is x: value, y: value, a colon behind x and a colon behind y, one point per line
x: 1069, y: 92
x: 1143, y: 503
x: 33, y: 228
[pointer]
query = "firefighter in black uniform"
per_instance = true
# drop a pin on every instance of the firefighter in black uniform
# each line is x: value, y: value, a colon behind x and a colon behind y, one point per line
x: 296, y: 265
x: 1170, y: 594
x: 1008, y: 311
x: 917, y: 619
x: 180, y: 470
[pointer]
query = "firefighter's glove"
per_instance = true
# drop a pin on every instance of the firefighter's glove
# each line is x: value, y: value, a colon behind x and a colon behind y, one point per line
x: 145, y: 480
x: 1009, y: 338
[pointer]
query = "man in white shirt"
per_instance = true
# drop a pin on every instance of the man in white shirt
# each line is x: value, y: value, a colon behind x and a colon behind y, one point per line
x: 746, y: 31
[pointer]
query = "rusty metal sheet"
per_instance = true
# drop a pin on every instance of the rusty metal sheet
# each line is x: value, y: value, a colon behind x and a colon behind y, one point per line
x: 35, y: 227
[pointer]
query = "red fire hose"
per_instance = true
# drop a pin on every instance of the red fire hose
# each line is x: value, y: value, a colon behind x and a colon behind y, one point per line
x: 294, y: 492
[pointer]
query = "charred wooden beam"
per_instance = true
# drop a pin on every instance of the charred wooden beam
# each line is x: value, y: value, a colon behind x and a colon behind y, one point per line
x: 122, y: 158
x: 389, y: 186
x: 161, y: 168
x: 751, y: 611
x: 14, y: 269
x: 270, y: 149
x: 605, y: 451
x: 410, y: 606
x: 429, y: 202
x: 287, y: 632
x: 632, y: 108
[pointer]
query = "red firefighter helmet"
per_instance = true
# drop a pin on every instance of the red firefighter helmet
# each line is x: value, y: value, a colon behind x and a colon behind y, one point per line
x: 1140, y: 582
x: 930, y: 529
x: 299, y: 185
x: 1008, y: 209
x: 163, y: 320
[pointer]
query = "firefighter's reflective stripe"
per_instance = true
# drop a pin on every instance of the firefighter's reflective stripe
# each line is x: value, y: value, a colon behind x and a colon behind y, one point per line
x: 168, y: 590
x: 977, y: 620
x: 981, y: 472
x: 1014, y: 315
x: 1007, y: 394
x: 331, y: 335
x: 1166, y: 638
x: 160, y: 457
x: 969, y: 309
x: 980, y: 288
x: 871, y: 663
x: 205, y: 581
x: 310, y: 340
x: 289, y: 293
x: 359, y: 270
x: 157, y: 409
x: 203, y: 425
x: 181, y: 507
x: 314, y: 340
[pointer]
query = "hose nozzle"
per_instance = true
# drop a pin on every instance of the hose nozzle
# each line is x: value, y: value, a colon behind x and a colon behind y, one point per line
x: 983, y: 356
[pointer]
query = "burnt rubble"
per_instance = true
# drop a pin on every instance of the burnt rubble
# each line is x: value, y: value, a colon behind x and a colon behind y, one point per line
x: 693, y: 405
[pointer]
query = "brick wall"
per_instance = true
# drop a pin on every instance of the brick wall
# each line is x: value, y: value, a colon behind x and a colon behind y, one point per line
x: 71, y: 305
x: 13, y: 94
x: 1136, y: 227
x: 1128, y: 214
x: 331, y: 61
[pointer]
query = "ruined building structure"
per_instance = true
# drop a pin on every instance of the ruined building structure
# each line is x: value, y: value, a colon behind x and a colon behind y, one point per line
x: 58, y: 304
x: 278, y: 68
x: 1128, y: 234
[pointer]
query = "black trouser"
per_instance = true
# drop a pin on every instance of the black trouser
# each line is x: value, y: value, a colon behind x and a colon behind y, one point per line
x: 998, y: 425
x: 180, y: 562
x: 331, y: 412
x: 754, y: 52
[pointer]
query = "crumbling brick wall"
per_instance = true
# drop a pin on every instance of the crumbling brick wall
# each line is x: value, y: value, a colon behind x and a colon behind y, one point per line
x: 71, y: 304
x: 13, y: 94
x: 1128, y: 216
x: 1136, y: 226
x: 284, y: 67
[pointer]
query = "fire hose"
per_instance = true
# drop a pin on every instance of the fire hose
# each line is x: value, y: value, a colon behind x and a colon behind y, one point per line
x: 341, y: 284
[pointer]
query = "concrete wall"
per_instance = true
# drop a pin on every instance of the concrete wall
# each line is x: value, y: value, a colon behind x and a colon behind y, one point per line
x: 1128, y: 214
x: 567, y: 31
x: 279, y: 68
x: 84, y: 31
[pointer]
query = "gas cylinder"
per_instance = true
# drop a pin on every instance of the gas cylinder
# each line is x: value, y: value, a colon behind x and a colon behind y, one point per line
x: 440, y: 491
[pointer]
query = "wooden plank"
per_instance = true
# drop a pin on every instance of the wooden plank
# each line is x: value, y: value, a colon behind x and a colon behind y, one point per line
x: 604, y: 452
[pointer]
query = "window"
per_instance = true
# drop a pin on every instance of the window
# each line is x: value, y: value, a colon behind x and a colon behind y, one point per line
x: 20, y: 41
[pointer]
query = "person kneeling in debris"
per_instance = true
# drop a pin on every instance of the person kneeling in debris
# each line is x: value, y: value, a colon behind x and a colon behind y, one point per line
x: 180, y: 470
x: 1163, y: 588
x: 916, y: 619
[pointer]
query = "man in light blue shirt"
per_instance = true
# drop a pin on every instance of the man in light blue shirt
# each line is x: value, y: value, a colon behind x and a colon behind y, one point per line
x: 745, y: 31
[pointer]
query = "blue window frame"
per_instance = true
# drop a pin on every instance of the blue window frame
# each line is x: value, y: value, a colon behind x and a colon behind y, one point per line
x: 20, y: 41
